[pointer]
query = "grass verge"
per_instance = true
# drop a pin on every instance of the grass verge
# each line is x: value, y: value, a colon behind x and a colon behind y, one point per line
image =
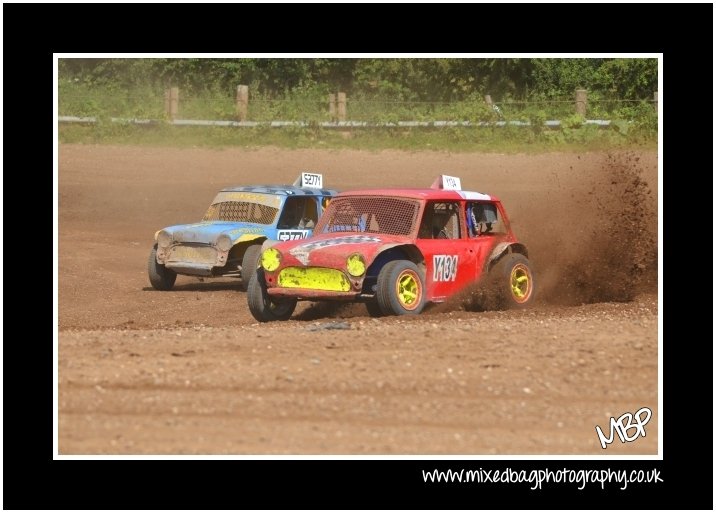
x: 498, y: 139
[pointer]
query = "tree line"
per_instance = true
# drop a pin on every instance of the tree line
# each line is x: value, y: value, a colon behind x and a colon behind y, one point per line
x: 398, y: 79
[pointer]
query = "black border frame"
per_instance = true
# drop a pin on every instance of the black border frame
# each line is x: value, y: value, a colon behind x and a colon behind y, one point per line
x: 32, y: 480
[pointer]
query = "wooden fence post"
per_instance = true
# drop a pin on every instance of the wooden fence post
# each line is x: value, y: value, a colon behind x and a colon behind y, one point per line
x: 488, y: 100
x: 656, y: 100
x: 341, y: 106
x: 332, y: 106
x: 242, y: 102
x: 171, y: 102
x: 580, y: 102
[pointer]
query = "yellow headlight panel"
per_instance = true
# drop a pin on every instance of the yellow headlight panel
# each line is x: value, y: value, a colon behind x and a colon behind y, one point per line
x: 316, y: 278
x: 355, y: 264
x: 271, y: 259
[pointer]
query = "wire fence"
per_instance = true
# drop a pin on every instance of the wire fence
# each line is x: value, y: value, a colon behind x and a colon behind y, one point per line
x: 226, y: 108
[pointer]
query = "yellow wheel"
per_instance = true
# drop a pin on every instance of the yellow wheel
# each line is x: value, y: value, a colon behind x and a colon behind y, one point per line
x: 514, y: 281
x: 521, y: 283
x: 401, y: 288
x: 510, y: 283
x: 408, y: 289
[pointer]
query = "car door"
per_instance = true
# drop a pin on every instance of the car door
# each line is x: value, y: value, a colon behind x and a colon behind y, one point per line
x: 485, y: 229
x: 449, y: 254
x: 298, y: 218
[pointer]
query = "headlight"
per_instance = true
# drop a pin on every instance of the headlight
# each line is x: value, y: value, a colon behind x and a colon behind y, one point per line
x: 355, y: 265
x: 164, y: 239
x: 271, y: 259
x: 224, y: 243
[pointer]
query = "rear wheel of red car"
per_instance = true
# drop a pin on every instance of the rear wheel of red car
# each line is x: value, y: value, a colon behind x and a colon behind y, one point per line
x: 401, y: 288
x: 160, y: 277
x: 263, y: 307
x: 249, y: 264
x: 514, y: 281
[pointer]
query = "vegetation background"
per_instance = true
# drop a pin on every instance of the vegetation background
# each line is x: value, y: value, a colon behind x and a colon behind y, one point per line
x: 378, y: 91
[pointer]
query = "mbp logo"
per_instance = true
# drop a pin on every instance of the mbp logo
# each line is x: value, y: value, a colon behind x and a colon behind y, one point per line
x: 623, y: 424
x: 444, y: 267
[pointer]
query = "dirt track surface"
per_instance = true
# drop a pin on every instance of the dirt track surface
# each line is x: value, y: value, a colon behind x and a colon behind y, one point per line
x: 190, y: 372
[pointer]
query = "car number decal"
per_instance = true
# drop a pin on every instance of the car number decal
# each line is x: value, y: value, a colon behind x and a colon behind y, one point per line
x: 444, y: 267
x: 283, y: 235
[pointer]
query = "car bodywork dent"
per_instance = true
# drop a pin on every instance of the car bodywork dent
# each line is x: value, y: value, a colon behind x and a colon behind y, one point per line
x: 503, y: 248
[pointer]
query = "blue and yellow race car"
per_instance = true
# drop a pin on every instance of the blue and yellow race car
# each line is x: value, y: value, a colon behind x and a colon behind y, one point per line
x: 227, y: 241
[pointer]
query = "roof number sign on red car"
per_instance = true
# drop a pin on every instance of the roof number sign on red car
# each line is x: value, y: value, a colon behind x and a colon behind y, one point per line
x: 451, y: 183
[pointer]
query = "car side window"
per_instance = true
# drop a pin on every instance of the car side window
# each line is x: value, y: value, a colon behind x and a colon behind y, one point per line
x: 299, y: 213
x: 440, y: 221
x: 310, y: 214
x: 294, y: 213
x: 325, y: 202
x: 482, y: 219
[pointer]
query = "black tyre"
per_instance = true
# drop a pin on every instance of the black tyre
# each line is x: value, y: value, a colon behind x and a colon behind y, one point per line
x: 262, y: 306
x: 249, y: 264
x: 401, y: 288
x: 513, y: 281
x: 374, y: 309
x: 160, y: 277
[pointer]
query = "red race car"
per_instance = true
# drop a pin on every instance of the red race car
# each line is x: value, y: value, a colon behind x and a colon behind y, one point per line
x: 396, y: 250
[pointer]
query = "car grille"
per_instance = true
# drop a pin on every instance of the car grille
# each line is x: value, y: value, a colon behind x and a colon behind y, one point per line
x: 198, y: 254
x: 316, y: 278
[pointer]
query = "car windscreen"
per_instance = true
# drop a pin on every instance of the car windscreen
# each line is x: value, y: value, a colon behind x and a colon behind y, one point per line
x: 243, y: 207
x: 370, y: 214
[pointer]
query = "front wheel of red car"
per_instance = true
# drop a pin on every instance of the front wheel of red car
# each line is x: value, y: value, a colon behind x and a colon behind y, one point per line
x: 374, y: 309
x: 401, y: 288
x: 514, y: 281
x: 263, y: 307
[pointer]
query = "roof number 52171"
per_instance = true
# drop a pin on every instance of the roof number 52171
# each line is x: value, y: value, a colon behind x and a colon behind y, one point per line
x: 312, y: 180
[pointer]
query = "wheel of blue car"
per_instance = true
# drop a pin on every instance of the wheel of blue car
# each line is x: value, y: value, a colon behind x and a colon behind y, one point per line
x: 263, y: 307
x: 401, y: 288
x: 514, y: 281
x: 160, y: 277
x: 249, y: 264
